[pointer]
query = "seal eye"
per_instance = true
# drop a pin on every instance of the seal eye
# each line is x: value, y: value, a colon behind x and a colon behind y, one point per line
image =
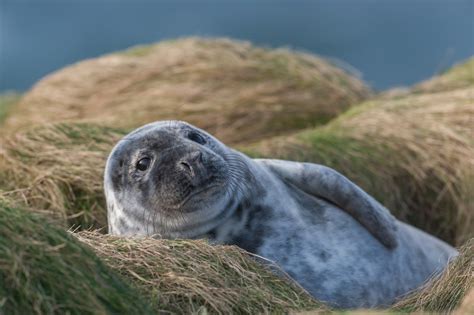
x: 196, y: 137
x: 143, y: 164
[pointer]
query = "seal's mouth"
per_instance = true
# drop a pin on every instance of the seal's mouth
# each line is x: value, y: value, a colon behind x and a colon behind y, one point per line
x: 195, y: 193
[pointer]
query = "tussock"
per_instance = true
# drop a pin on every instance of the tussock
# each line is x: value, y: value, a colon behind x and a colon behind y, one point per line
x: 445, y: 292
x: 58, y: 170
x: 186, y: 276
x: 44, y: 270
x: 230, y: 88
x: 415, y: 154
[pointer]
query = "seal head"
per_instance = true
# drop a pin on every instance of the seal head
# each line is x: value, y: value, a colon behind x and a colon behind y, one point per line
x: 168, y: 178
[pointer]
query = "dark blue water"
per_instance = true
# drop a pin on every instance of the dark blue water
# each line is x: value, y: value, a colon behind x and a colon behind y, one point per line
x: 391, y: 43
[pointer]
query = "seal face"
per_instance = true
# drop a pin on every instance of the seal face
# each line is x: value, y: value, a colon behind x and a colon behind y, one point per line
x: 170, y: 179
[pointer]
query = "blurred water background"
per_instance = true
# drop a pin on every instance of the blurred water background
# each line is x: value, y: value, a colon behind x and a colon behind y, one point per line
x: 391, y: 42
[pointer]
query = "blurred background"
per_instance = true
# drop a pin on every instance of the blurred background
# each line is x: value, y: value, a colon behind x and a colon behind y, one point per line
x: 390, y: 43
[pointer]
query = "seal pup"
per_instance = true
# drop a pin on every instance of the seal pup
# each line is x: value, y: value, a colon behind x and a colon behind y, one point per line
x: 170, y: 179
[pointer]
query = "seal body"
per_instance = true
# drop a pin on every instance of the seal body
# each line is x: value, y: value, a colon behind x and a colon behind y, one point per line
x: 328, y: 252
x: 336, y: 241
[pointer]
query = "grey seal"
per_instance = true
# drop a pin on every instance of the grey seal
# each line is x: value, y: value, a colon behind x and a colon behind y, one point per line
x: 170, y: 179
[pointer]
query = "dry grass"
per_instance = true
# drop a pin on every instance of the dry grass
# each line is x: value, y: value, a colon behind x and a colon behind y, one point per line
x: 58, y: 170
x: 445, y: 292
x: 184, y: 276
x: 230, y: 88
x: 459, y: 76
x: 415, y: 154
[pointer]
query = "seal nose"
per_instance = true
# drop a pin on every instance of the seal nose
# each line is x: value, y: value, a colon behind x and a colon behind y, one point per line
x: 191, y: 163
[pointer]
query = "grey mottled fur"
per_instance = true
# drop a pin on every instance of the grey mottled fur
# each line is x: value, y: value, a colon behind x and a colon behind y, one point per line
x: 335, y: 240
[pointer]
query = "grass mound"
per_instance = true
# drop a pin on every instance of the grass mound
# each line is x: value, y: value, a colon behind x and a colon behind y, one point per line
x: 415, y: 154
x: 7, y: 100
x: 184, y: 276
x: 459, y: 76
x: 58, y: 169
x: 232, y: 89
x: 44, y: 270
x: 446, y: 292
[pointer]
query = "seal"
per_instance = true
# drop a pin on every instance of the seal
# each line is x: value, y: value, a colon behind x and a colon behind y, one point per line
x: 170, y: 179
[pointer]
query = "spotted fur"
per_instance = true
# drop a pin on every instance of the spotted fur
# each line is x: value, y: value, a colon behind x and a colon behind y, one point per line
x: 329, y: 235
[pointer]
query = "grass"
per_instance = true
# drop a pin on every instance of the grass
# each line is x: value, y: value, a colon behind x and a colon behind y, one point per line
x: 415, y: 154
x: 184, y: 276
x: 58, y: 170
x: 44, y: 270
x: 7, y: 100
x: 459, y: 76
x: 447, y: 291
x: 233, y: 89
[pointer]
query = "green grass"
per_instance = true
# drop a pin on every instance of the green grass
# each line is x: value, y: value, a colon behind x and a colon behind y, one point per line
x: 7, y: 100
x: 45, y: 270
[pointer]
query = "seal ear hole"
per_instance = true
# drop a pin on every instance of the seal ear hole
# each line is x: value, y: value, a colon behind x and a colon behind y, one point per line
x: 143, y: 164
x: 121, y: 163
x: 196, y: 137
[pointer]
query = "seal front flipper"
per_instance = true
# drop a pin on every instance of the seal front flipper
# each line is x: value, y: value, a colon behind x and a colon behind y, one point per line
x: 326, y: 183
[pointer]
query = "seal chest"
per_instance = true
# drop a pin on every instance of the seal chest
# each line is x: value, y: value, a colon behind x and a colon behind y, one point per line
x: 170, y: 179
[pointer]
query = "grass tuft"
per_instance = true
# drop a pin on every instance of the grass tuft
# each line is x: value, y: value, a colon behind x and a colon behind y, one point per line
x: 58, y: 169
x: 446, y: 291
x: 236, y: 91
x: 189, y: 276
x: 44, y: 270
